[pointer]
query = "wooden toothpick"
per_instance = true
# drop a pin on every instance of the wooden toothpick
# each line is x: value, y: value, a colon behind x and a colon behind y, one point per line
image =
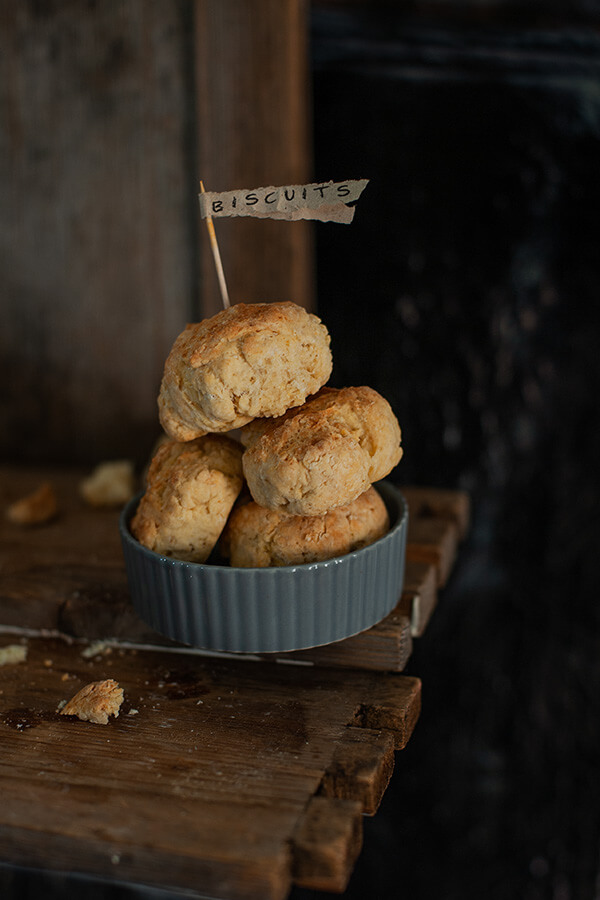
x: 216, y: 256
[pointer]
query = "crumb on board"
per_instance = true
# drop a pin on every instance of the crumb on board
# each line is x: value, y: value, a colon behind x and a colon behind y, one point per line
x: 109, y: 484
x: 13, y: 654
x: 97, y: 648
x: 95, y: 702
x: 37, y: 508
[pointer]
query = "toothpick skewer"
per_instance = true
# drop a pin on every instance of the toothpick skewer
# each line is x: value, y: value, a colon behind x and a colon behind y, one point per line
x: 217, y: 256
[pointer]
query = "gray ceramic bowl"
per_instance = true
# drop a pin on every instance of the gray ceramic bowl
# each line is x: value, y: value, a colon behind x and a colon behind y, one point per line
x: 219, y: 607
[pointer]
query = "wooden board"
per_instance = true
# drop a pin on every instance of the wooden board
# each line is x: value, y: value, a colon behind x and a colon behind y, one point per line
x: 98, y: 223
x: 253, y: 122
x: 439, y: 520
x: 69, y: 576
x: 235, y: 779
x: 419, y: 596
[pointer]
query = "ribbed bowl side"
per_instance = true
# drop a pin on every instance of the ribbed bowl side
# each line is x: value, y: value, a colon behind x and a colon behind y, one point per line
x: 273, y: 609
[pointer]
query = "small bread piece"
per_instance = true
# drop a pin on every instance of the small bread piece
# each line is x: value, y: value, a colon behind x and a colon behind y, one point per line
x: 95, y: 702
x: 190, y: 492
x: 323, y: 454
x: 13, y: 654
x: 258, y: 537
x: 110, y: 484
x: 248, y: 360
x: 36, y: 508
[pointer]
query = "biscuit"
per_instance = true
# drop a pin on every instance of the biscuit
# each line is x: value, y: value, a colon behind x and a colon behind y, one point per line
x: 323, y: 454
x: 258, y: 537
x: 248, y: 360
x: 191, y: 489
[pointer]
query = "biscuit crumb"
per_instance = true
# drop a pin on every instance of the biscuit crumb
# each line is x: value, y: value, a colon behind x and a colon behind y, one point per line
x: 95, y: 702
x: 96, y: 649
x: 37, y: 508
x: 110, y: 484
x: 13, y: 654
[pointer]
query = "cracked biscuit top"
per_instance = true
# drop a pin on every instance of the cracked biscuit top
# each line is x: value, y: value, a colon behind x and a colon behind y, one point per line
x: 247, y: 361
x: 323, y: 454
x: 258, y: 537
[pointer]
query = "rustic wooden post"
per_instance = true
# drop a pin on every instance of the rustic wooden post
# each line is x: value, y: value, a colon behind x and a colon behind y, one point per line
x: 253, y: 123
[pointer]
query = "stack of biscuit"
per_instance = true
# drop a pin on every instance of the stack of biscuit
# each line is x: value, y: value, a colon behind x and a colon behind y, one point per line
x: 296, y: 487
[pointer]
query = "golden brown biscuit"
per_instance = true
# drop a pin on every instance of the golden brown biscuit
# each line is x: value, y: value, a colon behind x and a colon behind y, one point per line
x: 246, y: 361
x: 323, y: 454
x: 191, y: 490
x: 258, y: 537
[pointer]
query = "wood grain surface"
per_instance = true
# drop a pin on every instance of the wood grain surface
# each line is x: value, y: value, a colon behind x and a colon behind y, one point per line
x: 207, y: 777
x: 98, y: 229
x: 253, y: 124
x: 112, y: 115
x: 235, y: 777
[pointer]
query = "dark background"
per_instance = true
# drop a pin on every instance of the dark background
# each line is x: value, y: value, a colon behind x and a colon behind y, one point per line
x: 466, y: 292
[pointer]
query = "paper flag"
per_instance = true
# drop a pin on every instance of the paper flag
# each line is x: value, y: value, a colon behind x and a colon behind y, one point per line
x: 327, y: 202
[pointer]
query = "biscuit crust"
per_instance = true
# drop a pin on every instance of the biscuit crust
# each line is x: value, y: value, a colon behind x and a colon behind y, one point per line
x: 191, y: 489
x: 259, y: 537
x: 323, y: 454
x: 247, y: 361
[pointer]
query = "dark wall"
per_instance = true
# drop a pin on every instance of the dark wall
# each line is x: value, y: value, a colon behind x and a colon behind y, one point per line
x: 467, y: 292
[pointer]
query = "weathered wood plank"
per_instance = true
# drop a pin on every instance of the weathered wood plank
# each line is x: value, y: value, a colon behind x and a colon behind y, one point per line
x: 440, y: 503
x: 433, y: 541
x: 98, y: 224
x: 72, y: 562
x: 76, y: 555
x: 201, y: 782
x: 326, y: 844
x: 385, y: 647
x: 419, y: 597
x: 394, y: 707
x: 253, y: 130
x: 104, y: 146
x: 361, y: 768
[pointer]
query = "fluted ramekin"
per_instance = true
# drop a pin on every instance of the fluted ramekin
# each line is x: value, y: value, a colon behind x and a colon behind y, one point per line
x: 220, y: 607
